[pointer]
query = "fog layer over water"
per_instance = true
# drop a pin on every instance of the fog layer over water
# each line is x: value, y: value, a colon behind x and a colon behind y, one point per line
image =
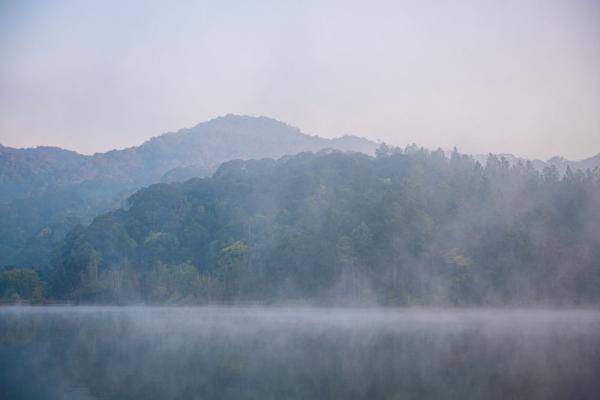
x: 303, y: 353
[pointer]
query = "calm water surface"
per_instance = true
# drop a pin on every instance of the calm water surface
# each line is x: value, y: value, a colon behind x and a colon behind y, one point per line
x: 297, y: 353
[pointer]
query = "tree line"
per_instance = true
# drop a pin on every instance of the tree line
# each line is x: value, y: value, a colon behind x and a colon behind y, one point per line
x: 407, y: 227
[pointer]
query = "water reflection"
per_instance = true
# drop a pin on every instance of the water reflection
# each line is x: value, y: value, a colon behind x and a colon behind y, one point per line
x: 297, y: 353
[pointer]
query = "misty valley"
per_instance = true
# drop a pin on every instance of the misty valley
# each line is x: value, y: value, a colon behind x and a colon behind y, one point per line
x: 287, y: 266
x: 320, y: 269
x: 353, y: 200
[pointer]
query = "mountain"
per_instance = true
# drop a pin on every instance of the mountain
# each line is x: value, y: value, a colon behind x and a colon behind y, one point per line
x: 45, y: 191
x: 26, y: 172
x: 560, y: 163
x: 409, y: 228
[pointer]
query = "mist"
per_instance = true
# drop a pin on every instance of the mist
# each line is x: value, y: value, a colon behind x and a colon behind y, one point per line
x: 299, y: 200
x: 247, y: 353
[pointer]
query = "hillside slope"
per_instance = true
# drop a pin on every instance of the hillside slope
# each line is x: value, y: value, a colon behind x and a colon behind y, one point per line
x: 46, y: 191
x: 410, y: 228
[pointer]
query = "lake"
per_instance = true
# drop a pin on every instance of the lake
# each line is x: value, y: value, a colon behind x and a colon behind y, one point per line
x: 297, y: 353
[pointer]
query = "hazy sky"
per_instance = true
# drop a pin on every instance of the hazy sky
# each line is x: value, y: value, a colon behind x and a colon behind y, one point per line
x: 504, y: 76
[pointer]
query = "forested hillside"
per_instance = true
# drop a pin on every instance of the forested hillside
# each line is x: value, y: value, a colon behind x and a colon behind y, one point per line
x: 46, y: 191
x: 406, y: 227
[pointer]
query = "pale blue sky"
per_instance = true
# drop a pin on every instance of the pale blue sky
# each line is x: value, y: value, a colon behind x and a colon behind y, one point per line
x: 520, y: 76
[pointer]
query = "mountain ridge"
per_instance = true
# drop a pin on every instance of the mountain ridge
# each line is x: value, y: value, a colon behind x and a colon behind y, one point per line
x: 184, y: 148
x: 49, y: 189
x: 208, y: 144
x: 45, y: 191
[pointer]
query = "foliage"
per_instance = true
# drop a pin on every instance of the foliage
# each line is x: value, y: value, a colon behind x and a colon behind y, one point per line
x: 18, y: 284
x: 406, y: 227
x: 44, y: 192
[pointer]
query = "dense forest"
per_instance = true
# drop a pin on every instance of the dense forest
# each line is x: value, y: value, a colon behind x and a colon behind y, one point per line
x: 46, y: 191
x: 407, y: 227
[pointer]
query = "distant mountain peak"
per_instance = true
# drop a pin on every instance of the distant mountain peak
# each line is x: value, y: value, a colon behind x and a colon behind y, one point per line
x: 556, y: 160
x: 228, y: 119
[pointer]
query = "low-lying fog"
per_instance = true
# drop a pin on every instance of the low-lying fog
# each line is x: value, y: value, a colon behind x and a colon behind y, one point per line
x: 297, y: 353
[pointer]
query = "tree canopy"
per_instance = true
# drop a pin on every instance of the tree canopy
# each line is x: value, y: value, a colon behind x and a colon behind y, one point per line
x: 405, y: 227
